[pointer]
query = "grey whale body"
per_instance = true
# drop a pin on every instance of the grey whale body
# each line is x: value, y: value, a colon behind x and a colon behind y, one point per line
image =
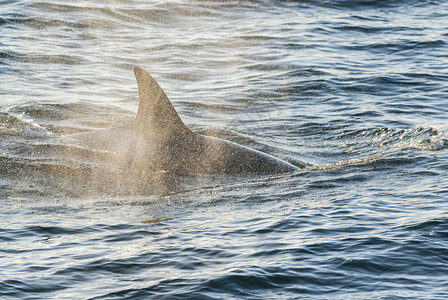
x: 158, y: 140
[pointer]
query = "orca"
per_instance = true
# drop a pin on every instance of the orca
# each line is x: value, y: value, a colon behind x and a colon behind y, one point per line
x: 157, y: 140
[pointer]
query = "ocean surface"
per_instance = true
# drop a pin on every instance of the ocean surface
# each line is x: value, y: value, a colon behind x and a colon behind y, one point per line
x: 355, y: 93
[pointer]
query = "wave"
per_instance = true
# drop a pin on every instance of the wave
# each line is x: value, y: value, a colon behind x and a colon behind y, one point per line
x: 365, y: 4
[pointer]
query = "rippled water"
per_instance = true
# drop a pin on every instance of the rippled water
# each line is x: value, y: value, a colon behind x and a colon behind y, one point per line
x: 353, y: 92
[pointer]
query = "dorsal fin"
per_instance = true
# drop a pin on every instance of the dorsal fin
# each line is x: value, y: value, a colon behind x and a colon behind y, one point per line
x: 155, y: 113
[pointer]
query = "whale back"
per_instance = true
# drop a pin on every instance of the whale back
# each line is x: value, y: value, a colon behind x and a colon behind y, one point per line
x: 157, y: 139
x: 174, y: 148
x: 156, y: 115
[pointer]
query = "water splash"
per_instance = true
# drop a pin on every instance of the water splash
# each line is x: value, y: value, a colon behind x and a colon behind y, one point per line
x: 20, y: 125
x: 422, y: 138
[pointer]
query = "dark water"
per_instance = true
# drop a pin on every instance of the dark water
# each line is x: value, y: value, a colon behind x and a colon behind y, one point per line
x: 353, y: 92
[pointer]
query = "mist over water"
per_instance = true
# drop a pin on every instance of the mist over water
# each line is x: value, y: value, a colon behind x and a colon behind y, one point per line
x: 352, y: 92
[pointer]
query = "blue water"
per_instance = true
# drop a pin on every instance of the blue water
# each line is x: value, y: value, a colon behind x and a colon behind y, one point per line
x: 353, y: 92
